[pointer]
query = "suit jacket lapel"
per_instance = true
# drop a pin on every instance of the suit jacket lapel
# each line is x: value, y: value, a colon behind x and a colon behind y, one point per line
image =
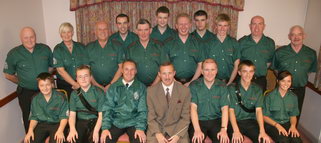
x: 173, y: 101
x: 161, y: 96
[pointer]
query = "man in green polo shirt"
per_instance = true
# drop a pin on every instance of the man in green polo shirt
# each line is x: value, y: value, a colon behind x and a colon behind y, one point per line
x: 162, y: 31
x: 224, y: 49
x: 246, y: 101
x: 298, y: 59
x: 209, y: 107
x: 23, y: 64
x: 184, y: 51
x: 201, y: 33
x: 259, y: 49
x: 49, y: 113
x: 125, y: 109
x: 124, y: 36
x: 148, y: 54
x: 104, y: 58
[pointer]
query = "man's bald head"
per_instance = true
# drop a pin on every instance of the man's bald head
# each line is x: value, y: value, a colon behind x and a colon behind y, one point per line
x: 258, y: 17
x: 101, y: 31
x: 257, y: 26
x: 28, y: 37
x: 296, y: 36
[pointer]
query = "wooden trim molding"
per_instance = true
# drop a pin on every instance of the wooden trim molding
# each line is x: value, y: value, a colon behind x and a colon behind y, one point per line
x: 8, y: 99
x: 311, y: 86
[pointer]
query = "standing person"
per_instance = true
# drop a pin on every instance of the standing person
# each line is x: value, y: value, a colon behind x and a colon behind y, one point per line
x: 125, y: 109
x: 168, y: 109
x: 298, y: 59
x: 184, y: 52
x: 224, y: 50
x: 148, y: 53
x: 281, y: 110
x: 124, y: 36
x: 209, y: 107
x: 49, y: 113
x: 202, y: 34
x: 23, y: 64
x: 246, y: 103
x: 86, y: 103
x: 68, y: 55
x: 259, y: 49
x: 105, y: 59
x: 162, y: 31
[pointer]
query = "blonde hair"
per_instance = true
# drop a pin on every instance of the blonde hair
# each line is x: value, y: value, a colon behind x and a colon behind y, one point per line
x: 66, y: 26
x: 183, y: 15
x: 222, y: 17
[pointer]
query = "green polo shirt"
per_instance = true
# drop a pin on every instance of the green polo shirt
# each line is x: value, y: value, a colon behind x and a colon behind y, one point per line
x: 94, y: 96
x: 104, y: 61
x: 125, y: 107
x: 130, y: 38
x: 70, y: 61
x: 28, y: 65
x: 251, y: 98
x: 169, y: 32
x: 298, y: 64
x: 148, y: 60
x: 225, y: 54
x: 184, y: 56
x: 280, y: 109
x: 259, y: 53
x: 209, y: 101
x: 52, y: 111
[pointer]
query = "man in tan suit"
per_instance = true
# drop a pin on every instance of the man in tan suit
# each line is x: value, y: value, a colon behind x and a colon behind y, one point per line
x: 168, y: 109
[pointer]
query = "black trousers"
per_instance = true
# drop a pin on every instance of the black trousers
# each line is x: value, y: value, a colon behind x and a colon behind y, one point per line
x: 44, y: 130
x: 62, y: 84
x: 300, y: 92
x: 85, y: 130
x: 117, y: 132
x: 249, y: 128
x: 209, y: 128
x: 24, y: 98
x: 274, y: 134
x: 261, y: 81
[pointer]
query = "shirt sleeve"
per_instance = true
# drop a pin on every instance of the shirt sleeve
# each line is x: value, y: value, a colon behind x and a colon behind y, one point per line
x: 72, y: 102
x: 274, y: 63
x: 64, y: 113
x: 193, y: 90
x: 313, y: 67
x: 224, y: 97
x: 266, y: 106
x: 10, y: 64
x: 57, y: 58
x: 237, y: 51
x: 295, y: 111
x: 101, y: 99
x: 141, y: 118
x: 232, y: 97
x: 33, y: 110
x: 271, y: 50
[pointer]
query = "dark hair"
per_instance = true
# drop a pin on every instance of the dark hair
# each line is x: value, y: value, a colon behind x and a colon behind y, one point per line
x: 283, y: 74
x: 246, y: 63
x: 122, y: 15
x: 166, y: 64
x: 83, y: 67
x: 45, y: 76
x: 143, y: 21
x: 129, y: 61
x: 162, y: 9
x: 200, y: 13
x: 222, y: 17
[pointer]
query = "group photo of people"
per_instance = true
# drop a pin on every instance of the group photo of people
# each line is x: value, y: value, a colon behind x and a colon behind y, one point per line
x: 162, y: 84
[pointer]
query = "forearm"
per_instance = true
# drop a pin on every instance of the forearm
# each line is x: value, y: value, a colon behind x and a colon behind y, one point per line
x: 62, y: 72
x: 62, y: 125
x: 233, y: 120
x: 117, y: 75
x: 234, y: 72
x: 12, y: 78
x: 99, y: 122
x: 157, y: 79
x: 224, y: 116
x: 259, y: 118
x: 32, y: 125
x: 194, y: 117
x: 95, y: 83
x: 270, y: 121
x: 72, y: 120
x: 198, y: 71
x: 293, y: 121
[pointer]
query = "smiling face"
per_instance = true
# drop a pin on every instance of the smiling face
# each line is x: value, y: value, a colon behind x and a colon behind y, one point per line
x: 246, y: 73
x: 257, y: 26
x: 285, y: 83
x: 222, y: 28
x: 45, y: 86
x: 129, y: 71
x: 183, y: 25
x: 66, y: 35
x: 122, y: 25
x: 167, y: 74
x: 209, y: 71
x: 162, y: 19
x: 296, y: 36
x: 28, y: 38
x: 83, y: 78
x: 101, y: 31
x: 143, y: 31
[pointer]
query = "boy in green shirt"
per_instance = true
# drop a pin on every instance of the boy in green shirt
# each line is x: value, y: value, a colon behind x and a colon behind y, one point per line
x: 49, y: 113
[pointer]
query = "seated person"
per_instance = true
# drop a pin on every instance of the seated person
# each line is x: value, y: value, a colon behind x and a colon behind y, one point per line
x: 86, y: 106
x: 246, y: 101
x: 280, y: 111
x: 49, y: 113
x: 209, y: 107
x: 125, y: 109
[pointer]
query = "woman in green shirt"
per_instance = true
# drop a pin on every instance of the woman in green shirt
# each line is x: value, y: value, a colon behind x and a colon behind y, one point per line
x: 280, y: 111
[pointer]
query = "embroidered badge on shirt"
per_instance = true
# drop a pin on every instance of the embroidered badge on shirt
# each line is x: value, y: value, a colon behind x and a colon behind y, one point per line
x: 136, y: 96
x: 54, y: 61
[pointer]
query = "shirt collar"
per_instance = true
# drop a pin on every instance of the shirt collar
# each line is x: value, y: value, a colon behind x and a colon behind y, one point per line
x: 170, y: 87
x: 129, y: 83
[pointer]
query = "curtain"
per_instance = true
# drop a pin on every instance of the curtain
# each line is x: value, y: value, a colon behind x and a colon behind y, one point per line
x: 90, y: 11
